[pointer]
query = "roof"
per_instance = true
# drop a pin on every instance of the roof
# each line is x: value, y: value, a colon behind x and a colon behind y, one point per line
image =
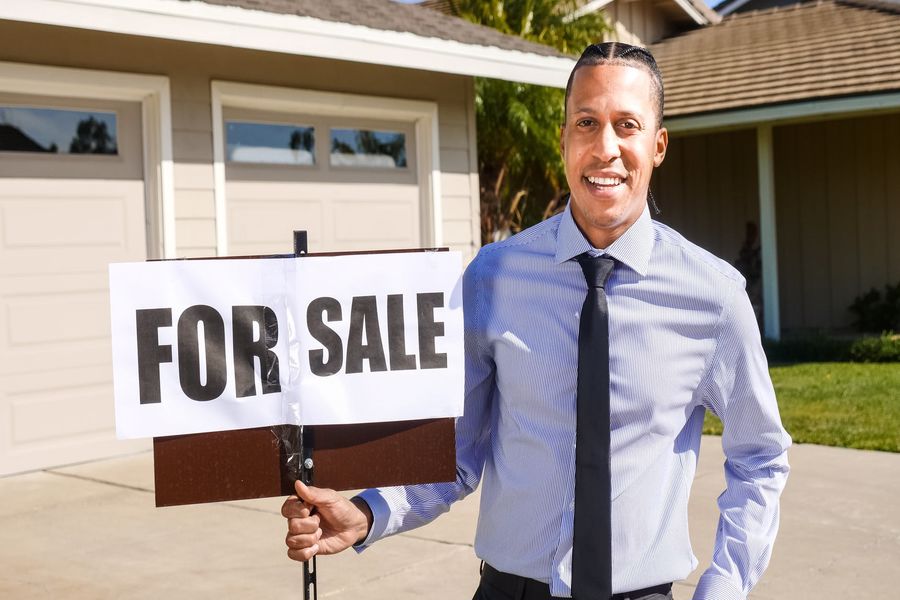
x: 379, y: 32
x: 824, y: 49
x: 387, y: 15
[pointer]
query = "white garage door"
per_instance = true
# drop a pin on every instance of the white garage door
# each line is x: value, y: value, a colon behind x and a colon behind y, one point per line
x: 71, y: 202
x: 351, y: 183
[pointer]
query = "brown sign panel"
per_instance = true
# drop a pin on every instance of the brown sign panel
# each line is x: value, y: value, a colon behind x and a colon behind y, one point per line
x: 262, y: 462
x: 259, y: 463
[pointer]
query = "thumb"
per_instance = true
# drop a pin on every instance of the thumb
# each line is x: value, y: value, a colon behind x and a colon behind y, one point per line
x: 309, y: 494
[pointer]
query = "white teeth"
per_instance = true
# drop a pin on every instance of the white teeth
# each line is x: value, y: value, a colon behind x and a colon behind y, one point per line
x: 605, y: 180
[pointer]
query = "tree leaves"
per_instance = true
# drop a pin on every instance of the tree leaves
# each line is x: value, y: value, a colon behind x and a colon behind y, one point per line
x: 521, y: 171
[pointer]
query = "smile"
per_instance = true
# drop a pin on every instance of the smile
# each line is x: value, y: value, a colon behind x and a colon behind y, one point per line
x: 605, y: 182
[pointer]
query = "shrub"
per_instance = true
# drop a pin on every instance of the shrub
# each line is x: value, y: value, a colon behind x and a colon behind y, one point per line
x: 817, y: 348
x: 885, y: 348
x: 875, y: 313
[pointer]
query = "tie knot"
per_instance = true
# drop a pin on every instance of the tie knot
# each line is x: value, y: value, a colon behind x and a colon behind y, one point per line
x: 596, y: 269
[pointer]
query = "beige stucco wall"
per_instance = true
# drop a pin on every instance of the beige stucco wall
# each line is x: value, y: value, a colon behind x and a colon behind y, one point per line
x: 190, y: 69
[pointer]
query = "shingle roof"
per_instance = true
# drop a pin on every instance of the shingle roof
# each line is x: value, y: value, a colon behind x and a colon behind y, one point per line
x: 392, y: 16
x: 828, y: 48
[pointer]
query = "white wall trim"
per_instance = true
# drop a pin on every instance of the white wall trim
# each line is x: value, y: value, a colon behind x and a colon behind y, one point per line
x: 192, y: 21
x: 586, y: 9
x: 152, y: 91
x: 768, y: 238
x: 698, y: 17
x: 423, y: 114
x: 785, y: 113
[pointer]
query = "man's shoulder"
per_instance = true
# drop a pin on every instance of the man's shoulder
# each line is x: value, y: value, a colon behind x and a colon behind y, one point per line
x: 694, y: 256
x: 535, y: 240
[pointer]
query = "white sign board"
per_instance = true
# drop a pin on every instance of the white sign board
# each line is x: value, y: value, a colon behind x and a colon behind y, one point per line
x: 213, y: 345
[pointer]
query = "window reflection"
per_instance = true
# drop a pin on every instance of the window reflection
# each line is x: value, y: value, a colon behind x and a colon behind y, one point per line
x: 367, y: 148
x: 51, y: 130
x: 270, y: 143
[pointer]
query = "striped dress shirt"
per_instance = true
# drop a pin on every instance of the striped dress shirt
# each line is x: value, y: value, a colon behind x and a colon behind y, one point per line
x: 683, y: 339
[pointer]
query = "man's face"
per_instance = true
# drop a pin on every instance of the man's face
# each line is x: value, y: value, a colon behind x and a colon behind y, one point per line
x: 610, y: 144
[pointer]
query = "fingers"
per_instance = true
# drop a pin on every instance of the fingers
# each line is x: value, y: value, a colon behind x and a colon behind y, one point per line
x: 303, y: 555
x: 303, y: 540
x: 303, y: 525
x: 293, y: 507
x: 302, y: 546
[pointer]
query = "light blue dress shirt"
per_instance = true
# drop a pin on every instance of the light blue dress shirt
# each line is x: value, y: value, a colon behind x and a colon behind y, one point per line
x: 683, y: 339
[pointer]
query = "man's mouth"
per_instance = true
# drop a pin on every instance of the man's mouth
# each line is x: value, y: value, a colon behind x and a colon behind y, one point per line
x: 605, y: 183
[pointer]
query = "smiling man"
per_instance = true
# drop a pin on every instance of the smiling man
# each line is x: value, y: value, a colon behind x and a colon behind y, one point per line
x: 595, y: 342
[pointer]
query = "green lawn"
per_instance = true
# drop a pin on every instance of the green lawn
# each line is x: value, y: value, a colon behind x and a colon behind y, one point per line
x: 853, y: 405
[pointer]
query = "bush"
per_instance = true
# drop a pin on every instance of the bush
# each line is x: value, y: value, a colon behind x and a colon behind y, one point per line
x: 818, y: 348
x: 874, y: 313
x: 885, y: 348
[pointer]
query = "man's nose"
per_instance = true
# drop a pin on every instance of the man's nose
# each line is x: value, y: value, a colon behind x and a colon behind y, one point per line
x: 606, y: 144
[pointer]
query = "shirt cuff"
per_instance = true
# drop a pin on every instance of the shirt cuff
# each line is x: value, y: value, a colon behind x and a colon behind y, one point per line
x: 380, y: 516
x: 715, y: 587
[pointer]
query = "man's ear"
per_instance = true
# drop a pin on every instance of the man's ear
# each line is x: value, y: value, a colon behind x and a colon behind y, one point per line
x: 662, y: 142
x: 562, y: 139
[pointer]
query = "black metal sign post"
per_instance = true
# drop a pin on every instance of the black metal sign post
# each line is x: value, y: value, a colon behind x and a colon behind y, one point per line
x: 305, y: 464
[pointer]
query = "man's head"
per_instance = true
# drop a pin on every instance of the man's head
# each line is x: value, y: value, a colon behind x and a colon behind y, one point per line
x: 611, y: 140
x: 616, y: 53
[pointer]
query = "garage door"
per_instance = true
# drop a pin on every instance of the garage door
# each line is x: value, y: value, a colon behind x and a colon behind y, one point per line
x: 351, y: 183
x: 71, y: 202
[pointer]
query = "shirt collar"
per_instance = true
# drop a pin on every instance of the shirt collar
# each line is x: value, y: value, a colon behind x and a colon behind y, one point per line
x: 632, y: 248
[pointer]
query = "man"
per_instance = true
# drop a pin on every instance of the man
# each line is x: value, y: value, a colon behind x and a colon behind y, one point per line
x: 682, y: 338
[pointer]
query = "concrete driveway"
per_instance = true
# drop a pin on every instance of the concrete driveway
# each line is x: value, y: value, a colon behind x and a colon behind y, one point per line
x: 91, y: 531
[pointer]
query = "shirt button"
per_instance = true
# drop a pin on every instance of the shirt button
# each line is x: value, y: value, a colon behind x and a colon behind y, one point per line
x: 572, y: 505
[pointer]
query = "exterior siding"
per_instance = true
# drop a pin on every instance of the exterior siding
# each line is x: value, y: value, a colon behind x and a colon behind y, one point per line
x: 838, y: 201
x: 837, y: 197
x: 191, y: 68
x: 638, y: 22
x: 707, y: 189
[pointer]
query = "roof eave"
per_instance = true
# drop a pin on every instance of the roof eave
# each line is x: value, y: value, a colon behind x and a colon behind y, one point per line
x: 813, y: 108
x: 698, y: 12
x: 203, y: 23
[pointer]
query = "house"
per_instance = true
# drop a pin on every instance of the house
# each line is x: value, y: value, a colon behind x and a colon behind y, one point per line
x: 135, y: 129
x: 788, y: 119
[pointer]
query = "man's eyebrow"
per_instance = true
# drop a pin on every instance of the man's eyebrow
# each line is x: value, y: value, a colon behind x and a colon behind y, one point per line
x: 631, y: 115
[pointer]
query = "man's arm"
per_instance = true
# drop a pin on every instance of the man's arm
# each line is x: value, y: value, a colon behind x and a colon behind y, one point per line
x: 337, y: 523
x: 737, y: 388
x: 399, y: 509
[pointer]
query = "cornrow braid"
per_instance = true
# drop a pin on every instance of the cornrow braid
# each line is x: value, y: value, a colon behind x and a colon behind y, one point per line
x: 618, y: 53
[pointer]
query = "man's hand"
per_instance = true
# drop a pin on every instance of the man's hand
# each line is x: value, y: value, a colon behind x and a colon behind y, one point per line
x: 321, y: 521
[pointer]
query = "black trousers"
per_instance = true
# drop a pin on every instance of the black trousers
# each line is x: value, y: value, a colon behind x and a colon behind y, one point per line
x: 495, y: 585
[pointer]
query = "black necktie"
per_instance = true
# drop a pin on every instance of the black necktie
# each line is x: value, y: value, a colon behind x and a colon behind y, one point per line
x: 591, y: 547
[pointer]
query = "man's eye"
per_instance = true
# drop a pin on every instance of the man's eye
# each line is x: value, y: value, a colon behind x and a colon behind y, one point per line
x: 585, y: 122
x: 629, y: 125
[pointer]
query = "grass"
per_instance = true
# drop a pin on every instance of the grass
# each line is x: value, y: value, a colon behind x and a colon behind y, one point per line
x: 852, y: 405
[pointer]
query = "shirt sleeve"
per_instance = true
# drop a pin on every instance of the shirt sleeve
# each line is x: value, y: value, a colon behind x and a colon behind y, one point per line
x: 738, y: 389
x: 401, y: 508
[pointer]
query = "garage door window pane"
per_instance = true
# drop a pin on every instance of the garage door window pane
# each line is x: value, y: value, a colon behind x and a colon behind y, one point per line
x: 367, y: 148
x: 270, y: 143
x: 50, y: 130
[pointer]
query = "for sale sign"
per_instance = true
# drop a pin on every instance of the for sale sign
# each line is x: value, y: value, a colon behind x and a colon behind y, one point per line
x: 213, y: 345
